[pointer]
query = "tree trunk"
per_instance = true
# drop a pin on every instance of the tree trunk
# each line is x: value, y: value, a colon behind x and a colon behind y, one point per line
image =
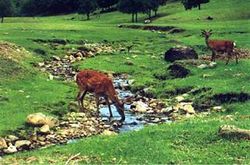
x: 87, y: 16
x: 133, y: 17
x: 156, y: 12
x: 149, y: 14
x: 199, y: 6
x: 136, y: 17
x: 2, y: 19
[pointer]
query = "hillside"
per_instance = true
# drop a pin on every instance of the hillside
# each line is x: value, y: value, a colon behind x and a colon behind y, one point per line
x: 25, y: 89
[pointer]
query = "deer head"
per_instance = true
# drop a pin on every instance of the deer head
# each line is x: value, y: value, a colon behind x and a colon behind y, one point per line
x: 206, y: 34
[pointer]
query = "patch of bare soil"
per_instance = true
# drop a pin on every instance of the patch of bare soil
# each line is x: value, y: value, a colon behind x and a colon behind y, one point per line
x: 240, y: 52
x: 12, y: 51
x: 169, y: 29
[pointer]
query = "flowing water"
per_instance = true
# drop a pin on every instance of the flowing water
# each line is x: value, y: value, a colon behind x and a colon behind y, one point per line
x: 133, y: 121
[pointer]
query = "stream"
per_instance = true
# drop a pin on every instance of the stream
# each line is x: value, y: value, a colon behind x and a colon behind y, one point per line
x: 134, y: 121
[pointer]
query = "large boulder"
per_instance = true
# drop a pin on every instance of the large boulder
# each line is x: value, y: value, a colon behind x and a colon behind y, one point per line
x: 180, y: 53
x: 39, y: 119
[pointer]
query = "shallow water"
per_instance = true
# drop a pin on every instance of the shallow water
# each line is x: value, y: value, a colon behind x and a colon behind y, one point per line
x: 133, y: 121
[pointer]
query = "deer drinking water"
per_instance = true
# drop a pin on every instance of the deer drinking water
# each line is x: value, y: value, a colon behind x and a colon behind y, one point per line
x: 101, y: 86
x: 225, y: 46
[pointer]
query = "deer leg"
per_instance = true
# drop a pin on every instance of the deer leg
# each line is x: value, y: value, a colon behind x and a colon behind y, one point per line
x: 236, y: 58
x: 228, y: 57
x: 121, y: 113
x: 79, y: 98
x: 213, y: 56
x: 107, y: 102
x: 97, y: 102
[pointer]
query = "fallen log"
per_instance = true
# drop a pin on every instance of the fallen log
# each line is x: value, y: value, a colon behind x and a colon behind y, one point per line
x: 232, y: 132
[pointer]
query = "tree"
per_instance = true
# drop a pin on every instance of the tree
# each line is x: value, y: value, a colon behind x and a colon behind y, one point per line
x: 132, y: 7
x: 6, y: 9
x: 189, y: 4
x: 87, y: 7
x: 104, y: 4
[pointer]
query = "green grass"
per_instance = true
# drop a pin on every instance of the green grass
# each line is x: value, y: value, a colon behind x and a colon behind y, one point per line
x: 24, y: 90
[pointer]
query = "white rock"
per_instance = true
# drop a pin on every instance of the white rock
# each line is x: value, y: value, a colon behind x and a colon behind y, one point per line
x: 41, y: 64
x: 203, y: 66
x: 51, y: 77
x: 3, y: 143
x: 212, y: 64
x: 56, y: 58
x: 39, y: 119
x: 141, y: 107
x: 45, y: 129
x: 22, y: 143
x: 12, y: 138
x: 179, y: 98
x: 11, y: 149
x: 108, y: 133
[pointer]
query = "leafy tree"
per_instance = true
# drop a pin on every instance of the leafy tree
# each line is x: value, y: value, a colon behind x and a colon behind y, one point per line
x: 87, y: 7
x: 132, y: 7
x: 6, y: 9
x: 48, y: 7
x: 103, y: 4
x: 189, y: 4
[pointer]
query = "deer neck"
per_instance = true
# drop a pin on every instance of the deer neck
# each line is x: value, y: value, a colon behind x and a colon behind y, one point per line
x: 207, y: 41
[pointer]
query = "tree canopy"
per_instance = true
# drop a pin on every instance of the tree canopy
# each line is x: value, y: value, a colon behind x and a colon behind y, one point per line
x: 189, y: 4
x: 6, y: 9
x: 87, y: 7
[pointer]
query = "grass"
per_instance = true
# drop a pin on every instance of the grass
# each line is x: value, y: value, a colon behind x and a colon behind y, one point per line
x: 24, y: 90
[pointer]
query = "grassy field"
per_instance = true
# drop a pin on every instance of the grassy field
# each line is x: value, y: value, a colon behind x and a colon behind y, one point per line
x: 24, y: 89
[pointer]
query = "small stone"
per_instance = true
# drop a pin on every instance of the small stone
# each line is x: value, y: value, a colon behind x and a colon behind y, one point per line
x: 128, y: 63
x: 56, y: 58
x: 41, y: 64
x: 140, y: 107
x: 22, y: 143
x: 12, y: 138
x: 108, y: 133
x: 212, y: 64
x: 179, y: 98
x: 203, y: 66
x: 51, y: 77
x: 217, y: 108
x: 41, y: 138
x: 10, y: 150
x: 206, y: 75
x: 45, y: 129
x: 78, y: 58
x: 3, y: 143
x: 75, y: 125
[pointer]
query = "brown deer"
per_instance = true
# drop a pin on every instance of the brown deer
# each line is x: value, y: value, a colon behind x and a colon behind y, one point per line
x: 224, y: 46
x: 101, y: 86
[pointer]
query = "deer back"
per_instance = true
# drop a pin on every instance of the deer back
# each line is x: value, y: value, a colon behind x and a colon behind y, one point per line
x: 221, y: 45
x: 95, y: 82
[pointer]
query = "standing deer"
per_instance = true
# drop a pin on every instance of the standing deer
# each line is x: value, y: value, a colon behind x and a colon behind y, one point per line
x: 225, y: 46
x: 101, y: 86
